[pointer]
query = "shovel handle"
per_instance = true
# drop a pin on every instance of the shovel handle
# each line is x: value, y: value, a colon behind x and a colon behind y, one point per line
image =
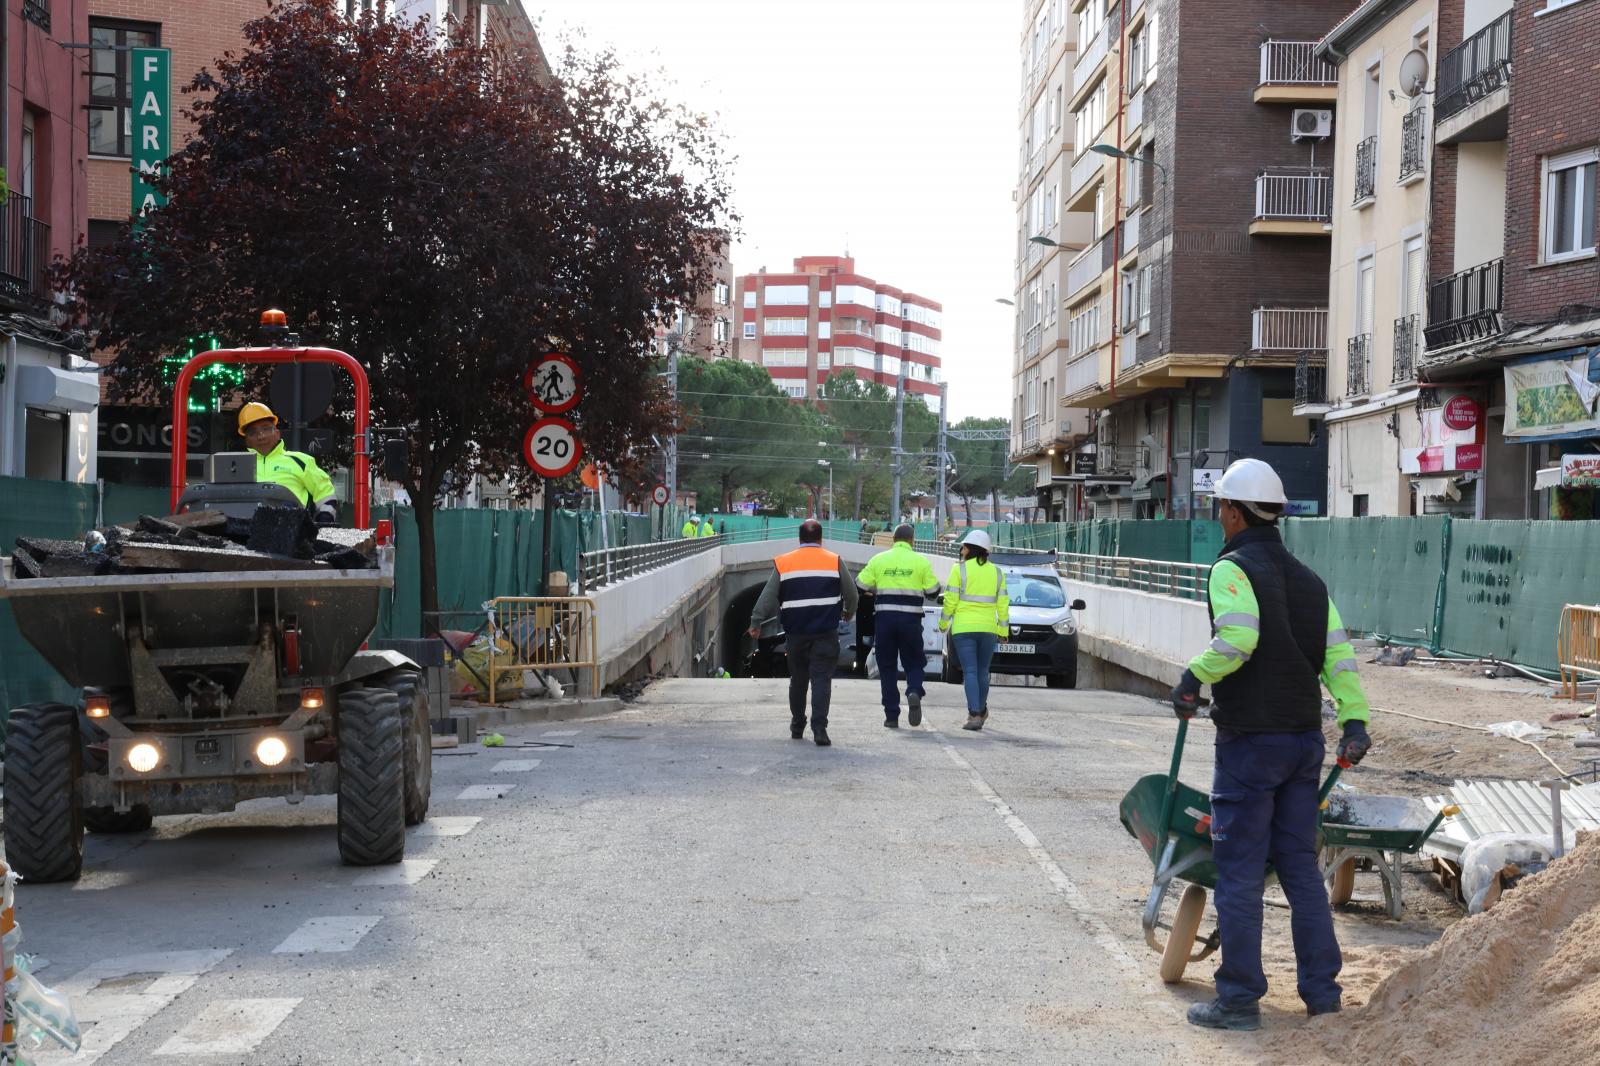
x: 1339, y: 767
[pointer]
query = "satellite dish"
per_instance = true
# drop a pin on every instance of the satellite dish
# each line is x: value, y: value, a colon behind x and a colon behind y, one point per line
x: 1414, y: 72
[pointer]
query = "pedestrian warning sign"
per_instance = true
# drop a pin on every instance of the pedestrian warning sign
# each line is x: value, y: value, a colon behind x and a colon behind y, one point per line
x: 553, y: 383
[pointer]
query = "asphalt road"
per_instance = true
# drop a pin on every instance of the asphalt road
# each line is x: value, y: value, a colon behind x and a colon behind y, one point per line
x: 683, y: 884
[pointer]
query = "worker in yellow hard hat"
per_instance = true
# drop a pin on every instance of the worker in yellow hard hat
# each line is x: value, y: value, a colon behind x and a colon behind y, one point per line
x: 295, y: 471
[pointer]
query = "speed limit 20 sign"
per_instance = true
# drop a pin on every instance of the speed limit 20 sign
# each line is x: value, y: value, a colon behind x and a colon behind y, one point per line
x: 552, y: 448
x: 660, y: 495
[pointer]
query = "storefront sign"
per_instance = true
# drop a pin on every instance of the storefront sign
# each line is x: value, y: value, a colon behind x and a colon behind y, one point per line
x: 151, y: 74
x: 1462, y: 412
x: 129, y: 429
x: 1083, y: 463
x: 1205, y: 481
x: 1580, y: 471
x: 1452, y: 436
x: 1543, y: 398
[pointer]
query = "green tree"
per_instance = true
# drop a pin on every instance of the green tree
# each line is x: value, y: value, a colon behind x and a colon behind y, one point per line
x: 860, y: 415
x: 739, y: 432
x: 981, y: 465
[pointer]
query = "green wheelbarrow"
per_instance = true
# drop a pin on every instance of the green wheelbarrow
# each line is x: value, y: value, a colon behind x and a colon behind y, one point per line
x: 1373, y: 832
x: 1172, y: 822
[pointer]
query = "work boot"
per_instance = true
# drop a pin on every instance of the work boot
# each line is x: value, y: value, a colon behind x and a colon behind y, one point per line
x: 1214, y: 1015
x: 891, y: 723
x: 797, y: 728
x: 820, y: 735
x: 973, y: 722
x: 914, y: 705
x: 1323, y: 1008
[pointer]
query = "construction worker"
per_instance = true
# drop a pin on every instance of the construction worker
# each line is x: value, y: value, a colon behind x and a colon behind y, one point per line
x: 1276, y: 634
x: 899, y: 580
x: 707, y: 529
x: 691, y: 527
x: 976, y: 614
x: 811, y: 593
x: 295, y: 471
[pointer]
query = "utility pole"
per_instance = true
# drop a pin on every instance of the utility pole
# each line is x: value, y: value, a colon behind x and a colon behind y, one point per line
x: 899, y: 433
x: 672, y: 438
x: 944, y: 460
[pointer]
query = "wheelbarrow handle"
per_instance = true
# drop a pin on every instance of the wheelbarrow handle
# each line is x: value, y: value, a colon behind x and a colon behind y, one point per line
x: 1339, y: 767
x: 1169, y: 799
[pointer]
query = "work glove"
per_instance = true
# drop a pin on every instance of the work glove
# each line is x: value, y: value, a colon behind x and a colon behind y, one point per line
x: 1354, y: 744
x: 1186, y: 696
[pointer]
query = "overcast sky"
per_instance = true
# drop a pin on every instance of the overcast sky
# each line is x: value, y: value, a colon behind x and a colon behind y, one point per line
x: 888, y: 126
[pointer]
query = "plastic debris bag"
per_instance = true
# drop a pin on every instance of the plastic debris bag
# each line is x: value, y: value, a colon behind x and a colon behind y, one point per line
x: 1483, y: 860
x: 1516, y: 730
x: 40, y: 1012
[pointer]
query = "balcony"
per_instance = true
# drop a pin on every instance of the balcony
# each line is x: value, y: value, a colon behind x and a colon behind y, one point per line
x: 1358, y: 365
x: 1130, y: 234
x: 1366, y: 170
x: 24, y: 255
x: 1465, y: 307
x: 1293, y: 202
x: 1084, y: 171
x: 1311, y: 380
x: 37, y: 12
x: 1472, y: 92
x: 1133, y: 113
x: 1407, y: 337
x: 1030, y: 342
x: 1413, y: 145
x: 1030, y: 435
x: 1082, y: 373
x: 1291, y: 73
x: 1087, y: 268
x: 1094, y: 51
x: 1289, y: 329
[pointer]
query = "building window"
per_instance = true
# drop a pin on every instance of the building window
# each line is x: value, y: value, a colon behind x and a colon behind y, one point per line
x: 720, y: 294
x: 824, y: 360
x: 750, y: 298
x: 1137, y: 58
x: 37, y: 12
x: 749, y: 331
x: 111, y: 83
x: 783, y: 357
x: 719, y: 330
x: 796, y: 390
x: 784, y: 327
x: 1569, y: 198
x: 788, y: 295
x: 824, y: 330
x: 825, y: 298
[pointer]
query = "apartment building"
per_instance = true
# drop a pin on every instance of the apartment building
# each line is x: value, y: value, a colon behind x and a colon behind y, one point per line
x: 48, y: 401
x: 823, y: 316
x: 1514, y: 301
x: 1042, y: 433
x: 704, y: 328
x: 1202, y: 150
x: 1380, y: 435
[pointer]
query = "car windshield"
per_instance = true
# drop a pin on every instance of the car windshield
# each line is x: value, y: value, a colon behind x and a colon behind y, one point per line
x: 1035, y: 590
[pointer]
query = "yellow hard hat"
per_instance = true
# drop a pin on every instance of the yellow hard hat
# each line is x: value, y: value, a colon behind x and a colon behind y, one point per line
x: 254, y: 412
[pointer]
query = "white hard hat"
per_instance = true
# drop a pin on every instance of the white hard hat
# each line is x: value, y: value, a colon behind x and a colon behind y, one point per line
x: 978, y: 539
x: 1252, y: 481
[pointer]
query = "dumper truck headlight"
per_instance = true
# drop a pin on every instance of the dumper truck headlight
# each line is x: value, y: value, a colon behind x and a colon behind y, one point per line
x: 144, y: 757
x: 271, y: 751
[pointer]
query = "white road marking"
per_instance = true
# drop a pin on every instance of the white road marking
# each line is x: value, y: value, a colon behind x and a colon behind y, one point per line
x: 109, y: 1015
x: 485, y: 792
x: 324, y: 935
x: 404, y: 872
x: 1063, y: 884
x: 562, y: 733
x: 230, y: 1027
x: 514, y: 766
x: 445, y: 826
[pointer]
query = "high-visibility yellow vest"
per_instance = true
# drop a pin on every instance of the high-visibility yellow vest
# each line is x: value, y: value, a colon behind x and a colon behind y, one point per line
x: 976, y: 600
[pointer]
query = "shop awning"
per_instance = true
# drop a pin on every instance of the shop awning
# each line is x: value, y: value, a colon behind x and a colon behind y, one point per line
x: 1548, y: 478
x: 55, y: 389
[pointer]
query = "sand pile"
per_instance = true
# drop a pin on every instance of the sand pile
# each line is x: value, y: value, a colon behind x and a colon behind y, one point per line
x: 1518, y: 983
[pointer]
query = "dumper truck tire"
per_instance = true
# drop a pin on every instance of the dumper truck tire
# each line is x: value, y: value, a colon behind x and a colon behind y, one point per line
x: 418, y: 740
x: 372, y: 824
x: 43, y: 808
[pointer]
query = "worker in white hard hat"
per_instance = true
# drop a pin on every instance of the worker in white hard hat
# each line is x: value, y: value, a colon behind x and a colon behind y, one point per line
x: 295, y: 471
x: 976, y: 613
x: 1277, y: 639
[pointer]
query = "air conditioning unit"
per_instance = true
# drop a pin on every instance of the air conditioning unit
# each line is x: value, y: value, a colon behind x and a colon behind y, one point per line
x: 1311, y: 123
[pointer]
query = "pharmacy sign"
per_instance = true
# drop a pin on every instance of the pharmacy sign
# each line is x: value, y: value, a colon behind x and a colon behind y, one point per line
x: 152, y: 124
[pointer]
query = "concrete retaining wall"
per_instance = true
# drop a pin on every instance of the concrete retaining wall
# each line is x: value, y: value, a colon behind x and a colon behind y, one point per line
x: 655, y: 610
x: 1137, y: 641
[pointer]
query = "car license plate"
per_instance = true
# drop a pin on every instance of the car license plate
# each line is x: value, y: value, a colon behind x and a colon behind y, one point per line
x: 1014, y: 649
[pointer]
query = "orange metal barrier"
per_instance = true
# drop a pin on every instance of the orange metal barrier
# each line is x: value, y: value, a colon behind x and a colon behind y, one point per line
x: 543, y: 633
x: 1578, y: 647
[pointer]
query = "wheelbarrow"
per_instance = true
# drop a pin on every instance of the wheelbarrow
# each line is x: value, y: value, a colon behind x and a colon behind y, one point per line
x: 1373, y: 832
x: 1172, y: 822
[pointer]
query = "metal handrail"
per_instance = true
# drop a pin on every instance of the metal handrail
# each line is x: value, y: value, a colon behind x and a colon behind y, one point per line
x: 1366, y: 169
x: 1466, y: 305
x: 1358, y: 355
x: 1310, y: 380
x: 1413, y: 143
x: 607, y: 566
x: 1473, y: 69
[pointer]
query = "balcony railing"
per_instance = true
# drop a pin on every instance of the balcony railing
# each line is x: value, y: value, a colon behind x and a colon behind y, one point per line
x: 1089, y: 265
x: 1295, y: 63
x: 1358, y: 369
x: 24, y: 253
x: 1289, y: 329
x: 1030, y: 341
x: 1465, y: 306
x: 1413, y: 143
x: 1130, y: 234
x: 1094, y: 50
x: 1304, y: 195
x: 1082, y: 373
x: 1084, y: 170
x: 1366, y: 168
x: 1030, y: 434
x: 1407, y: 335
x: 37, y: 12
x: 1311, y: 380
x: 1133, y: 114
x: 1473, y: 69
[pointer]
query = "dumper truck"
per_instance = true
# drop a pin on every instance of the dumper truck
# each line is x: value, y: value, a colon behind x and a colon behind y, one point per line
x: 210, y: 674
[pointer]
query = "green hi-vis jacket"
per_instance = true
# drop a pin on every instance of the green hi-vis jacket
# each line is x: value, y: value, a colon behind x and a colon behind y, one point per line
x: 1238, y: 631
x: 297, y: 472
x: 690, y: 530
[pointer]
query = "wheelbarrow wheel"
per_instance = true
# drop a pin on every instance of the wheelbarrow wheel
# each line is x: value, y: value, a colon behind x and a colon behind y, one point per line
x: 417, y: 740
x: 372, y: 824
x: 43, y: 807
x: 1343, y: 883
x: 1185, y: 929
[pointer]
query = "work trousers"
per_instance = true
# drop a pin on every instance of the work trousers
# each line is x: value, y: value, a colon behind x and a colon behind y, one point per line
x: 1264, y: 810
x: 812, y: 660
x: 897, y: 641
x: 973, y: 652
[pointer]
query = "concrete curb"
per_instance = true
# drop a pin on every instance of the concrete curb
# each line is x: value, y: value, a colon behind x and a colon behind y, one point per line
x: 522, y: 712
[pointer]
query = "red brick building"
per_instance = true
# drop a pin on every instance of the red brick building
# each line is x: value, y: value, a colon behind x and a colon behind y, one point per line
x: 823, y: 317
x: 47, y: 403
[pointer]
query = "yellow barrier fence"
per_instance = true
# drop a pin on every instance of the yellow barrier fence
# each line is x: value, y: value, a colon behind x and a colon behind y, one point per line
x: 543, y: 633
x: 1578, y: 647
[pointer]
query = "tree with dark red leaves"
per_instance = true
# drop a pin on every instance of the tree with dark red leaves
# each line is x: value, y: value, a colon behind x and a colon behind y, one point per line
x: 437, y: 208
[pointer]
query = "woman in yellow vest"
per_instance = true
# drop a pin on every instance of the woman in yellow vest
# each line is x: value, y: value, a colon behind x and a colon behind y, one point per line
x: 976, y: 613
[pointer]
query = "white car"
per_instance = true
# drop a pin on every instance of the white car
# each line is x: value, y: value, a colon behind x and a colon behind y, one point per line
x: 1043, y: 641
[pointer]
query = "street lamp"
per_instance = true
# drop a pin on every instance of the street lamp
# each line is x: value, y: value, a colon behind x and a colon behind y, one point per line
x: 1003, y: 300
x: 1118, y: 153
x: 1046, y: 241
x: 826, y: 463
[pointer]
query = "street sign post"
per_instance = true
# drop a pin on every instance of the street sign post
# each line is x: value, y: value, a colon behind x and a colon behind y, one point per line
x: 661, y: 496
x: 551, y: 446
